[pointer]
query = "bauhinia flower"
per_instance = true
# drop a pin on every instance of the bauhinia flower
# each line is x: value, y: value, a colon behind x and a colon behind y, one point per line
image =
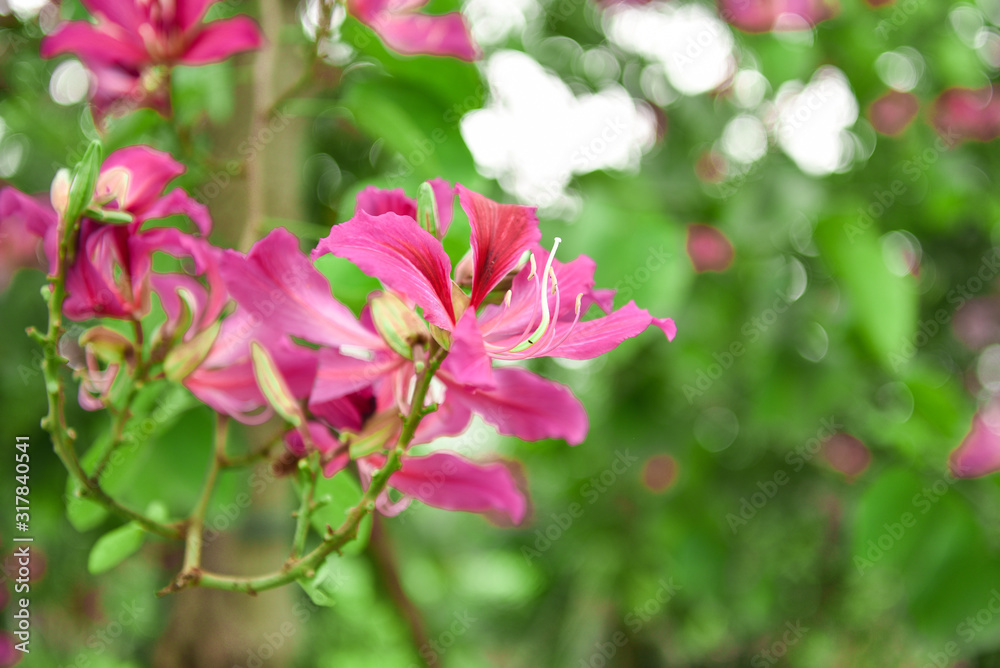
x: 403, y: 28
x: 134, y: 43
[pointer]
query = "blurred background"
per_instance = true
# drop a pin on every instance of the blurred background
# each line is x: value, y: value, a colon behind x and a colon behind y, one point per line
x: 808, y: 189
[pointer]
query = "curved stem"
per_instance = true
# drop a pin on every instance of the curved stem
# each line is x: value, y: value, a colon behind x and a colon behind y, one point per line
x: 348, y: 530
x: 55, y: 420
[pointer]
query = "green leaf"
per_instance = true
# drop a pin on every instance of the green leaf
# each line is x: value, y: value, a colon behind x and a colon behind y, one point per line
x: 84, y: 514
x: 84, y: 181
x: 885, y: 305
x: 323, y: 586
x: 114, y: 547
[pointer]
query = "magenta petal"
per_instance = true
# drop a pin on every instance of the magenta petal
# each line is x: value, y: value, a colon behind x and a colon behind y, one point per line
x: 415, y: 34
x: 339, y: 375
x: 376, y: 201
x: 596, y: 337
x: 91, y: 43
x: 190, y: 12
x: 525, y: 405
x: 277, y: 283
x: 708, y: 248
x: 500, y: 235
x: 122, y: 12
x: 446, y: 480
x: 178, y: 202
x: 150, y: 171
x: 22, y: 214
x: 467, y: 362
x: 400, y: 253
x: 218, y: 40
x: 979, y: 452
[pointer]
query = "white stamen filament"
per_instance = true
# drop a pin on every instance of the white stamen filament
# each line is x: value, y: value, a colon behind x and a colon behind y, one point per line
x: 544, y: 294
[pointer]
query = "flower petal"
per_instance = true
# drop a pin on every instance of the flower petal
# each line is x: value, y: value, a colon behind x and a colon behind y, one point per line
x: 93, y: 44
x: 467, y: 362
x: 525, y: 405
x: 149, y: 171
x: 592, y: 338
x: 377, y: 201
x: 178, y: 202
x: 190, y: 12
x: 218, y: 40
x: 339, y: 375
x: 400, y: 253
x: 446, y: 480
x: 125, y: 13
x: 500, y: 235
x: 979, y: 452
x: 276, y: 282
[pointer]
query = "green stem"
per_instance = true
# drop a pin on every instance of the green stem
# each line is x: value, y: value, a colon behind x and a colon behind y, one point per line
x: 196, y: 522
x: 55, y: 420
x: 248, y: 458
x: 305, y: 510
x: 307, y: 565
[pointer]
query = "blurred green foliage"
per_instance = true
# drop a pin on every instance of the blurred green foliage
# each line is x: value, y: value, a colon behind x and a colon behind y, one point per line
x: 885, y: 568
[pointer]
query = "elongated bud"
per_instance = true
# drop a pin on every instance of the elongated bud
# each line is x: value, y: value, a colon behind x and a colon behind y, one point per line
x: 378, y: 430
x: 84, y: 181
x: 398, y: 325
x: 427, y: 211
x: 273, y: 386
x: 59, y: 192
x: 183, y: 359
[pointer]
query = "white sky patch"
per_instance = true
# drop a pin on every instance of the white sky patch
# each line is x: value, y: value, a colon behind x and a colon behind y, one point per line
x: 534, y: 134
x: 811, y: 122
x: 492, y: 22
x: 694, y: 47
x: 23, y: 9
x: 744, y: 139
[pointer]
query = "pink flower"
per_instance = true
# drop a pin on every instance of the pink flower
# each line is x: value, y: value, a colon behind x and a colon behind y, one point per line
x: 134, y: 41
x: 778, y: 15
x: 979, y: 452
x: 540, y: 309
x: 892, y: 113
x: 708, y: 248
x: 404, y: 29
x: 449, y: 481
x: 968, y: 114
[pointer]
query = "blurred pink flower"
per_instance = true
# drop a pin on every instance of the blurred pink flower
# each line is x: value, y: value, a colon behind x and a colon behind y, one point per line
x: 979, y: 452
x: 893, y: 112
x: 404, y: 29
x: 777, y: 15
x: 134, y: 40
x: 708, y: 248
x: 968, y: 114
x: 846, y: 454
